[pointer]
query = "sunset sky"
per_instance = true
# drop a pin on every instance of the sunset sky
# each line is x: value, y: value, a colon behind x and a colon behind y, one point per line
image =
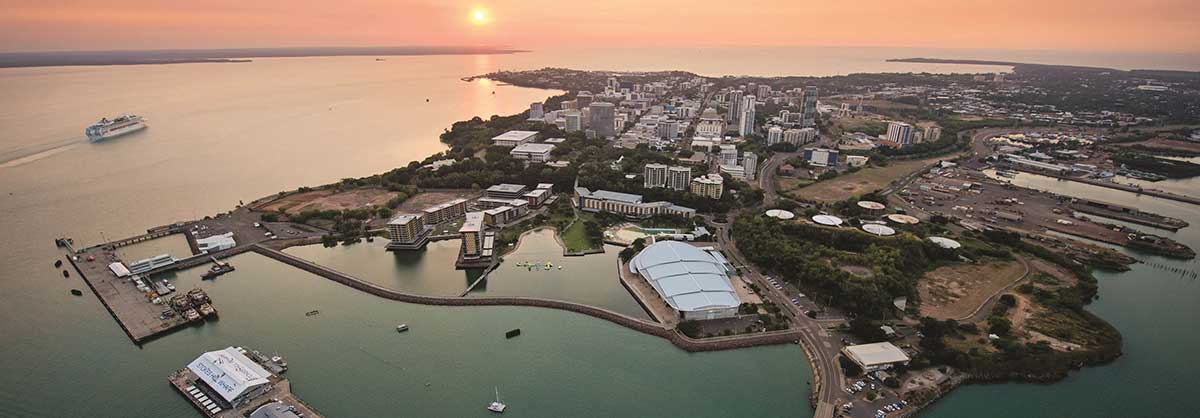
x: 1081, y: 25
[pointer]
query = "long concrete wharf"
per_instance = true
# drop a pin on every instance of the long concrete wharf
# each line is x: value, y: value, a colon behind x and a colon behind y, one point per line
x: 131, y: 308
x: 137, y: 316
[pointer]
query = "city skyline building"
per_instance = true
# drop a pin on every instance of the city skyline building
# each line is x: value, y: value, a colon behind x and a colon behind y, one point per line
x: 603, y: 119
x: 808, y: 107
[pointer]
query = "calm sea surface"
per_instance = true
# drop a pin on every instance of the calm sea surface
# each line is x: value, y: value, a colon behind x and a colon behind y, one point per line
x: 220, y: 133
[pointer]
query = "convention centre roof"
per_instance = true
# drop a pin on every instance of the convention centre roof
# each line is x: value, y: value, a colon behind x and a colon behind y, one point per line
x: 688, y: 278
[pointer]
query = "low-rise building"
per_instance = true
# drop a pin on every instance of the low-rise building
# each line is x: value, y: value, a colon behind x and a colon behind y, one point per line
x: 514, y: 138
x: 711, y: 124
x: 630, y: 205
x: 857, y: 160
x: 232, y: 375
x: 534, y: 153
x: 821, y: 157
x: 497, y: 216
x: 505, y: 191
x: 216, y: 243
x: 537, y: 197
x: 492, y: 202
x: 877, y: 356
x: 444, y: 212
x: 735, y: 171
x: 147, y: 264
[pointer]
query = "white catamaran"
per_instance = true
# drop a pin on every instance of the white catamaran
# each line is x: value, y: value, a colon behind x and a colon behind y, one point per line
x: 108, y: 128
x: 497, y: 406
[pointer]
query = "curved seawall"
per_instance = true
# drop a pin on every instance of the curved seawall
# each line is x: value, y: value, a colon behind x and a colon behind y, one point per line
x: 645, y: 327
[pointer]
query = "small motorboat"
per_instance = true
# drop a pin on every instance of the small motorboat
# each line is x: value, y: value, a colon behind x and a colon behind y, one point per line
x: 76, y: 292
x: 512, y: 333
x: 57, y: 263
x: 497, y: 406
x: 279, y: 361
x: 401, y: 327
x: 312, y: 312
x: 66, y: 273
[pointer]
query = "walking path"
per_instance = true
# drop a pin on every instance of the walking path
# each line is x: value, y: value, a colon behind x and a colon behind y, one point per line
x: 985, y: 308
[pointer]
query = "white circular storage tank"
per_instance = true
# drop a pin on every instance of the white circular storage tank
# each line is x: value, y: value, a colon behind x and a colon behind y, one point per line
x: 880, y: 230
x: 827, y: 220
x: 903, y: 219
x: 946, y: 243
x: 869, y: 205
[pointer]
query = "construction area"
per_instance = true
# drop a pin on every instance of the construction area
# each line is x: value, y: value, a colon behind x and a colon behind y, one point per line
x: 851, y: 185
x: 957, y: 291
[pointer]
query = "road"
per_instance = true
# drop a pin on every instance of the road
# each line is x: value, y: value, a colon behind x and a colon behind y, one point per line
x: 822, y: 347
x: 766, y: 179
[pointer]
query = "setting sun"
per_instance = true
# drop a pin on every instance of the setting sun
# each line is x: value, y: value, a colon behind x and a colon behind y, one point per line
x: 479, y: 16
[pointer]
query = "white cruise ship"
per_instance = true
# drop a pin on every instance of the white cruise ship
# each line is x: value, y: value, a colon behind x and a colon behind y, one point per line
x: 108, y: 128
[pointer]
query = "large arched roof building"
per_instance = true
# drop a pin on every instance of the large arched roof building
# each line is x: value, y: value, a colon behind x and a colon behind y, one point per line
x: 692, y: 281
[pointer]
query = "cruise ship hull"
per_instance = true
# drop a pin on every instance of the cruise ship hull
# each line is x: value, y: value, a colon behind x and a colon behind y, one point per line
x: 97, y: 136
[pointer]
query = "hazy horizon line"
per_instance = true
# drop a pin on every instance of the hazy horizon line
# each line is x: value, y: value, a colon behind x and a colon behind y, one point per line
x: 535, y: 48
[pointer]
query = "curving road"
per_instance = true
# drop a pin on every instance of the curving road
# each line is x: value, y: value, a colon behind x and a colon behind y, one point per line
x: 819, y: 346
x: 766, y: 178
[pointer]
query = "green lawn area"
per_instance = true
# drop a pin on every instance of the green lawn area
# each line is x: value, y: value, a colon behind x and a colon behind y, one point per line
x: 575, y: 237
x: 448, y: 228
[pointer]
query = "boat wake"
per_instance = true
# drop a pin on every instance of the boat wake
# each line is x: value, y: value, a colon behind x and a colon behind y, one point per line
x: 25, y: 156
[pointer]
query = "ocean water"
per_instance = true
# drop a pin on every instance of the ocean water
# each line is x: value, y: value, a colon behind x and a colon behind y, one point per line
x: 222, y: 133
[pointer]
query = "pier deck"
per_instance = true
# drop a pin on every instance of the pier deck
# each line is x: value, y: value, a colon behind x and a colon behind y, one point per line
x: 137, y: 316
x: 129, y: 307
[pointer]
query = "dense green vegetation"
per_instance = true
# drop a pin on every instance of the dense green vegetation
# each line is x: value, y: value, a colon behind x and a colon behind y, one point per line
x: 808, y: 255
x: 1078, y: 89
